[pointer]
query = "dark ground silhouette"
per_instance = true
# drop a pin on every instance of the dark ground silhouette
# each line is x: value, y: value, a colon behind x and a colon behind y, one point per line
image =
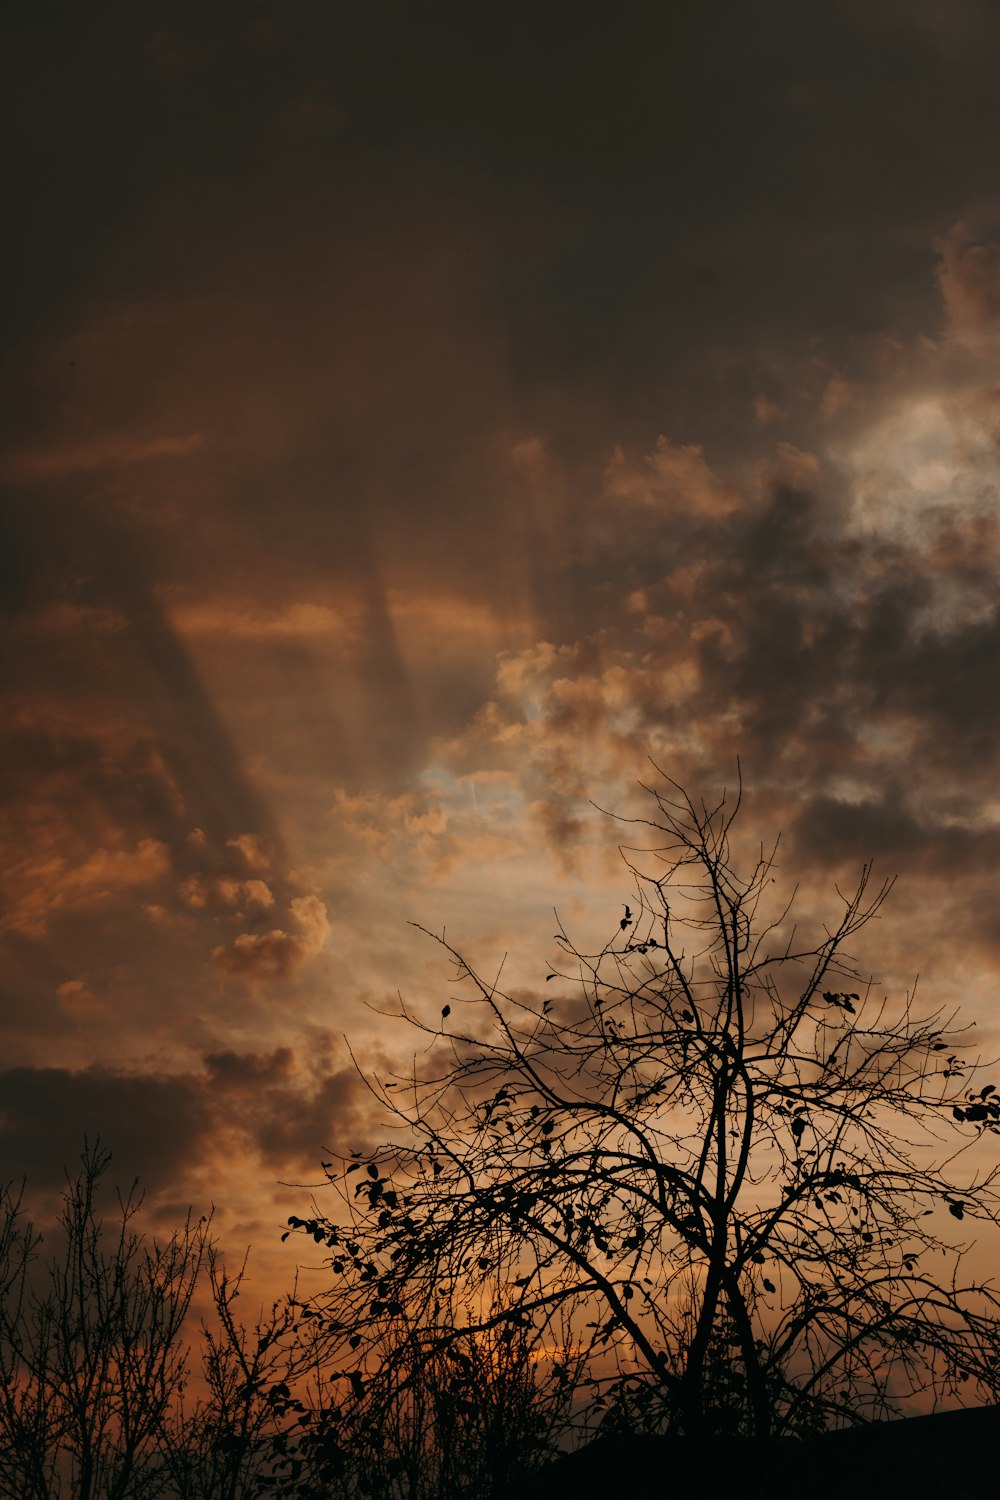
x: 954, y: 1454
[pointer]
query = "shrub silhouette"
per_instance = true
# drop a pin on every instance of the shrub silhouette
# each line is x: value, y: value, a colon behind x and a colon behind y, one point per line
x: 468, y: 1419
x: 705, y: 1163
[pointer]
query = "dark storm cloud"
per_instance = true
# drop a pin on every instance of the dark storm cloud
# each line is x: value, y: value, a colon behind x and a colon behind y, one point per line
x: 279, y: 1109
x: 241, y: 1070
x: 152, y: 1125
x: 292, y: 1105
x: 293, y: 1131
x: 950, y: 683
x: 840, y: 832
x: 827, y: 629
x: 652, y: 187
x: 833, y: 648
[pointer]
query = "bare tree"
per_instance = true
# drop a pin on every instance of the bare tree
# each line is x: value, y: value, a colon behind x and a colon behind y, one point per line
x: 91, y: 1351
x: 219, y: 1447
x: 28, y: 1442
x: 709, y: 1149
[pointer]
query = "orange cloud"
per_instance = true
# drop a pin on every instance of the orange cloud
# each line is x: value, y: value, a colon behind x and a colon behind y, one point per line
x: 77, y: 1001
x: 252, y: 850
x: 279, y: 953
x: 220, y: 620
x: 674, y: 477
x: 220, y: 893
x: 111, y: 452
x: 40, y: 888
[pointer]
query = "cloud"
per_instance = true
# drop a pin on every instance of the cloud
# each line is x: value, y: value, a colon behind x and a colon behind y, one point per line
x: 289, y: 1103
x: 77, y: 1001
x: 240, y: 1070
x: 904, y: 836
x: 219, y: 893
x: 788, y: 467
x: 843, y: 624
x: 279, y: 953
x: 40, y: 888
x: 767, y: 410
x: 969, y: 275
x: 673, y: 477
x: 217, y: 620
x: 252, y: 850
x: 277, y: 1109
x: 416, y: 822
x: 297, y: 1127
x: 61, y: 618
x: 154, y: 1125
x: 112, y: 452
x: 839, y: 395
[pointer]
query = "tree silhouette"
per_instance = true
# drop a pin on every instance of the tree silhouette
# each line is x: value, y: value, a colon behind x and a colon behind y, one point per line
x: 92, y: 1356
x: 101, y: 1395
x: 219, y: 1446
x: 706, y: 1162
x: 427, y: 1420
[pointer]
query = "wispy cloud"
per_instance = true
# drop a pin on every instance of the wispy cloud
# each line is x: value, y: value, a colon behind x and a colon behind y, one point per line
x: 111, y: 452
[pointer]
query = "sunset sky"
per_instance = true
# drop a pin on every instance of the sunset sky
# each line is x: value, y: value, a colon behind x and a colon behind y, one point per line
x: 416, y: 416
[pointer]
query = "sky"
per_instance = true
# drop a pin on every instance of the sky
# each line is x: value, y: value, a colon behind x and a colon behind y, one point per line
x: 417, y: 419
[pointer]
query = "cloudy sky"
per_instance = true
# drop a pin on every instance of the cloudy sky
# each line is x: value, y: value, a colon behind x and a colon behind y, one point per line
x: 415, y: 417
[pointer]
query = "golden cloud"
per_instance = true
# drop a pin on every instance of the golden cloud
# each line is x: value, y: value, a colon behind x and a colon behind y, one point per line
x: 113, y: 451
x: 39, y: 888
x: 279, y: 953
